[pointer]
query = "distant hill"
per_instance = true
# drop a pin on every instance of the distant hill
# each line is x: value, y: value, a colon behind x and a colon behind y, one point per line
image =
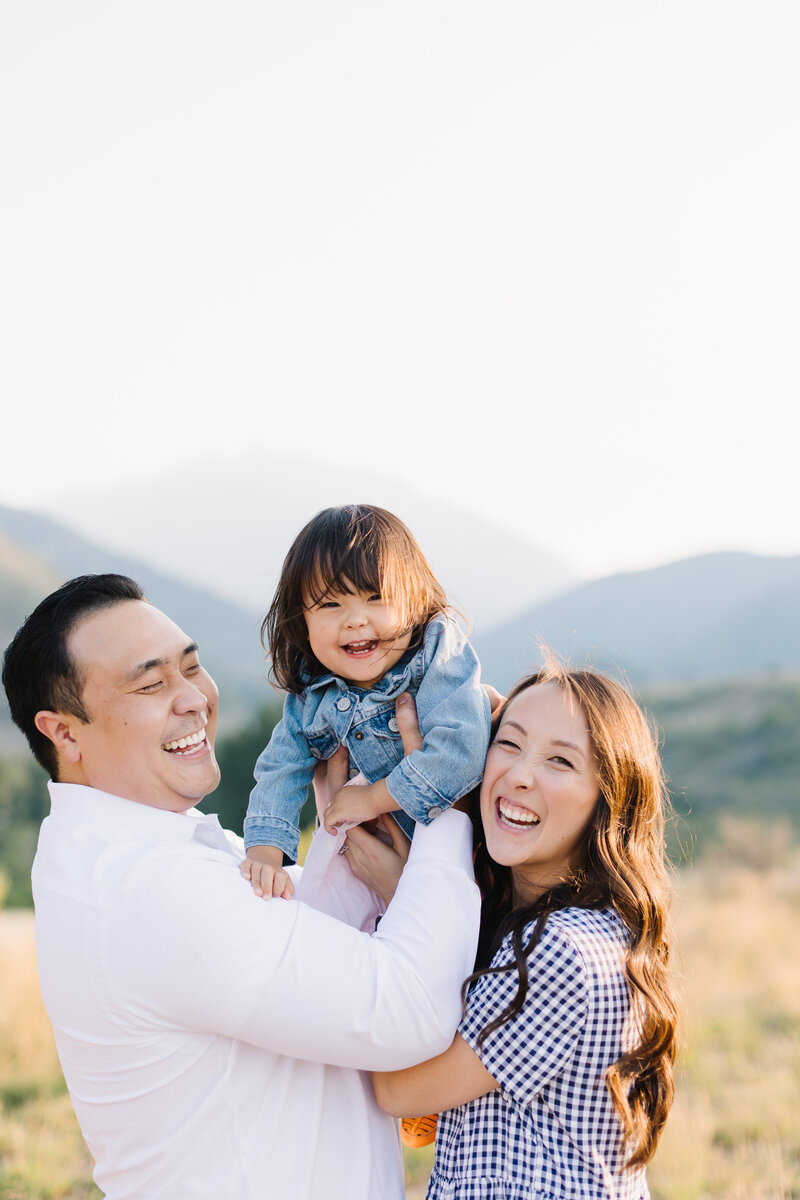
x: 715, y: 617
x: 37, y: 554
x: 233, y: 535
x: 710, y: 617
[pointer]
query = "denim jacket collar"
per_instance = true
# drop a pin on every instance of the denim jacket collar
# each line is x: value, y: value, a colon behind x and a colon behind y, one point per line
x: 388, y: 687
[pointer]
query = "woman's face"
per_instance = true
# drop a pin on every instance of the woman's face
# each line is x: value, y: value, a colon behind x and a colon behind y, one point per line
x: 539, y: 790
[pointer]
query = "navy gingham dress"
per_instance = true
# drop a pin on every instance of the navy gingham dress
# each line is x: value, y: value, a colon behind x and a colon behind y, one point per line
x: 550, y: 1131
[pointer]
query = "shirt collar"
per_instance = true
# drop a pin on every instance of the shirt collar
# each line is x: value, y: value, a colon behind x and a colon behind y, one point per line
x: 75, y: 802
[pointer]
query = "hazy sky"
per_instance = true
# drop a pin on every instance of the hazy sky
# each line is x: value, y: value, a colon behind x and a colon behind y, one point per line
x: 541, y: 258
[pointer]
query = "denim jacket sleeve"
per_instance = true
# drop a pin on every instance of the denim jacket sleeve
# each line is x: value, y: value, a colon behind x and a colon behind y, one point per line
x: 454, y: 716
x: 283, y: 772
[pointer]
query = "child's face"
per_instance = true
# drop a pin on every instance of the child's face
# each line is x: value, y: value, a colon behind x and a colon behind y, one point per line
x: 355, y: 635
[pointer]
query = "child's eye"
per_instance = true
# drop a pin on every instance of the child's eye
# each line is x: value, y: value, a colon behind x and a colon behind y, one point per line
x: 375, y: 596
x: 328, y: 604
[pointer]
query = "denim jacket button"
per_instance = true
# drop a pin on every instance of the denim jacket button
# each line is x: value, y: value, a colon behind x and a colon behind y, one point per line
x: 343, y: 703
x: 359, y: 736
x: 436, y: 811
x: 393, y: 724
x: 352, y: 772
x: 315, y: 752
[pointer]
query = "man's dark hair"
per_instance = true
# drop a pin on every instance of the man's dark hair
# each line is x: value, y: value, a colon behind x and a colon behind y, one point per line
x: 38, y: 672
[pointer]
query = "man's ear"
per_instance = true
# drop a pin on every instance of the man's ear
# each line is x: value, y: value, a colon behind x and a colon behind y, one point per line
x: 57, y: 727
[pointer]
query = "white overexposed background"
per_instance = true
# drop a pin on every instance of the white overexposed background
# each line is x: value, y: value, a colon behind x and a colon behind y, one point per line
x: 539, y: 259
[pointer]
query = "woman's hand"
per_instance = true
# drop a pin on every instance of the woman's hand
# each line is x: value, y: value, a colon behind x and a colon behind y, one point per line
x: 377, y: 858
x: 376, y: 862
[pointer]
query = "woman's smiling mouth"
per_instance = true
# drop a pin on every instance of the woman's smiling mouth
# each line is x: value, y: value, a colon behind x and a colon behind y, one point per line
x: 513, y: 816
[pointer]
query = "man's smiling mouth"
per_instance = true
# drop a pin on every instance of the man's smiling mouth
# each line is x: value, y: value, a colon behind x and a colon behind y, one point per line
x: 186, y: 745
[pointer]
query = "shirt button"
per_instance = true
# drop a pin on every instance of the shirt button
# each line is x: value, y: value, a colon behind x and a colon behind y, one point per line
x: 393, y: 724
x: 315, y: 752
x: 343, y: 703
x: 359, y: 736
x: 436, y: 811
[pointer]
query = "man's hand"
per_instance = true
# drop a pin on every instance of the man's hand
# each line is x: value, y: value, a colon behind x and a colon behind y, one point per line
x: 264, y: 868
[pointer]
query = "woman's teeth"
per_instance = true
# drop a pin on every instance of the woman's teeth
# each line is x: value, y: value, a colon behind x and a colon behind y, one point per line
x: 520, y: 818
x: 185, y: 744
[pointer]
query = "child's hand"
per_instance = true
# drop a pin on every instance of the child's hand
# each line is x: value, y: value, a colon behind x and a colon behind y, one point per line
x: 358, y: 802
x: 263, y: 867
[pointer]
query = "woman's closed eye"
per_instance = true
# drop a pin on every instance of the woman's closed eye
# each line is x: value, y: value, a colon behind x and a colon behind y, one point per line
x: 506, y: 743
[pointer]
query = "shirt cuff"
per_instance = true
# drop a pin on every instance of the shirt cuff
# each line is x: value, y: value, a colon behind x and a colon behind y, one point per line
x: 272, y: 831
x: 448, y: 838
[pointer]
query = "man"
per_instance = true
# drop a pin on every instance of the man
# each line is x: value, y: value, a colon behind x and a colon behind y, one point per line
x: 211, y: 1041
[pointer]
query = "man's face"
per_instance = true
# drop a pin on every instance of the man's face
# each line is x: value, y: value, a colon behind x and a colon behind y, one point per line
x: 152, y: 708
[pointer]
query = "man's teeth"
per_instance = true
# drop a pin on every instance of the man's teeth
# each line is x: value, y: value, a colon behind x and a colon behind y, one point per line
x: 194, y: 739
x: 517, y: 816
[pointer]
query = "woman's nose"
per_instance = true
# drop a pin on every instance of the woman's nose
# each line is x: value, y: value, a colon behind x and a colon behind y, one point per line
x: 522, y: 774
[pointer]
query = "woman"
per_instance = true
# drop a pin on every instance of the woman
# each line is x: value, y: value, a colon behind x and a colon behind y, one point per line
x: 559, y: 1080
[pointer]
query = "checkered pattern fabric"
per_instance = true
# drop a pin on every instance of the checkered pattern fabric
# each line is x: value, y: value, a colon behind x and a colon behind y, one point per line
x: 550, y: 1130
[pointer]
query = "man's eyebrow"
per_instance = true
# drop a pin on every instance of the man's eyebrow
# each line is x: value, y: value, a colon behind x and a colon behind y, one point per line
x: 153, y: 663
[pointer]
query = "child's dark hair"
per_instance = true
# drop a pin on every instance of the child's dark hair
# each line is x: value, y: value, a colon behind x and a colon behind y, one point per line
x: 354, y: 546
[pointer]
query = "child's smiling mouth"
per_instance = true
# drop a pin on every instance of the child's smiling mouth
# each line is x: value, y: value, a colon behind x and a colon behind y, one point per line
x: 361, y: 649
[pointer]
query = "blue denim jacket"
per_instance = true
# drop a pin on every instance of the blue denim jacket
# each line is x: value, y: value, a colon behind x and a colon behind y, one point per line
x: 444, y: 676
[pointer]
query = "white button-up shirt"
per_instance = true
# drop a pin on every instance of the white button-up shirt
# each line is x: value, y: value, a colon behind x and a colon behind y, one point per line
x: 212, y: 1042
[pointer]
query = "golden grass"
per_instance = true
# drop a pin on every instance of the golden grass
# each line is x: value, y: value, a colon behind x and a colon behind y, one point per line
x: 734, y: 1133
x: 42, y: 1155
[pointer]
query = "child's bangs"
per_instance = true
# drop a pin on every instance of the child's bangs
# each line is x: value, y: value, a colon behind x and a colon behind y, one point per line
x: 342, y: 569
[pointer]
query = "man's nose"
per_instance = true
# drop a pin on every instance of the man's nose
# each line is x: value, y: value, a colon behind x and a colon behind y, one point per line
x: 190, y: 698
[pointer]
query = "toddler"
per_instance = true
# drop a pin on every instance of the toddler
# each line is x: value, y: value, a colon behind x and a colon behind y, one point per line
x: 357, y: 619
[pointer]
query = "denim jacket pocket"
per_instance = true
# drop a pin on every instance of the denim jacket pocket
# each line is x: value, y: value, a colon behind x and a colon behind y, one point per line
x: 322, y: 743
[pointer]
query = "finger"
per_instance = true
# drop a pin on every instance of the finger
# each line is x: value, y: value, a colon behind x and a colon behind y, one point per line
x: 496, y: 699
x: 245, y: 866
x: 338, y: 765
x: 406, y: 716
x: 401, y: 843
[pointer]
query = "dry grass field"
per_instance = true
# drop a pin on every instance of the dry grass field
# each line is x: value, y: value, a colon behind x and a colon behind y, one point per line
x: 735, y: 1129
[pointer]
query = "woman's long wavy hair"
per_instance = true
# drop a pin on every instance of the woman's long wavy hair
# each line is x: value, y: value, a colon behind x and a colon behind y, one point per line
x: 624, y: 867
